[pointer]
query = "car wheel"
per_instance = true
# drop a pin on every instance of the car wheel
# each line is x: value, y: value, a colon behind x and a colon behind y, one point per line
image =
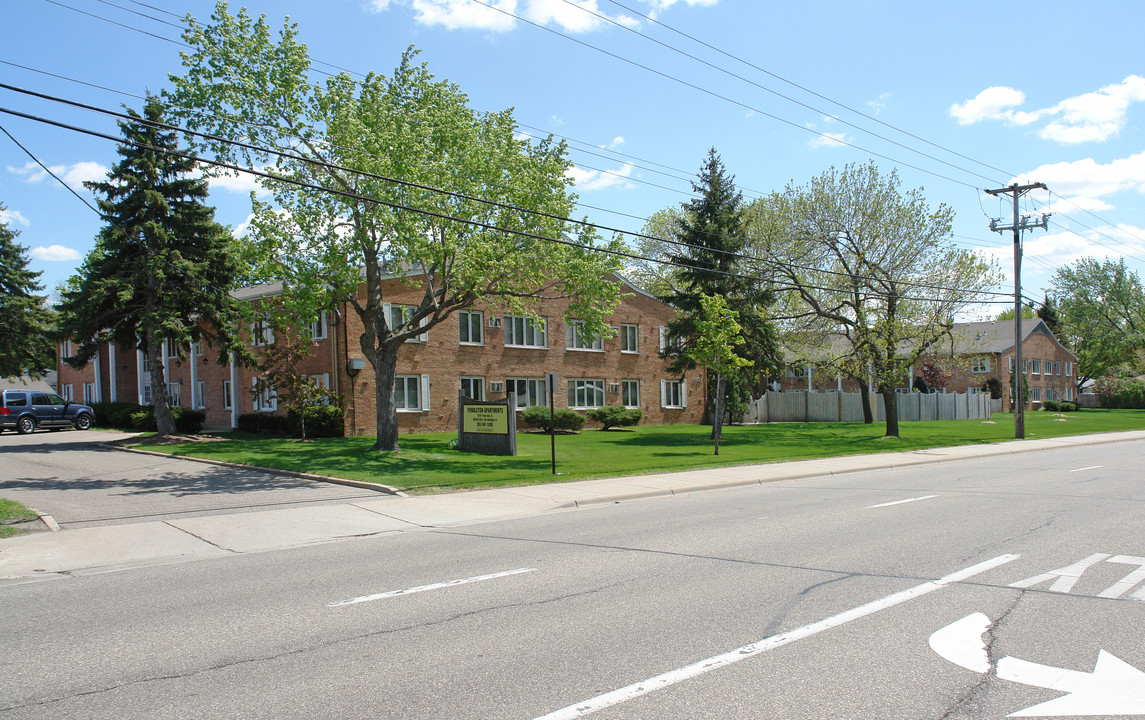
x: 83, y: 422
x: 25, y: 425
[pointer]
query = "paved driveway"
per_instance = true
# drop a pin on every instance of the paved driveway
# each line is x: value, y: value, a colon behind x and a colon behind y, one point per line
x: 64, y: 474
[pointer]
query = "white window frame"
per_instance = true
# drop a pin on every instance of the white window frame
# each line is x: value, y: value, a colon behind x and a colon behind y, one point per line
x: 675, y: 343
x: 586, y: 393
x: 147, y: 394
x: 674, y: 394
x: 474, y: 382
x: 1069, y: 368
x: 534, y: 387
x: 228, y: 403
x: 1049, y: 394
x: 577, y: 340
x: 469, y: 321
x: 261, y: 333
x: 629, y: 338
x: 199, y: 401
x: 520, y: 329
x: 629, y: 390
x: 1035, y: 366
x: 1035, y: 395
x: 319, y: 329
x: 322, y: 380
x: 980, y: 364
x: 66, y: 349
x: 1057, y: 367
x: 175, y: 394
x: 172, y: 347
x: 264, y: 400
x: 66, y: 392
x: 420, y: 386
x: 399, y: 315
x: 88, y: 393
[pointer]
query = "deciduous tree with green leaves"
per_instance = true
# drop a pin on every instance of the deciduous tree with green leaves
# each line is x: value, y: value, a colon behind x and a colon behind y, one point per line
x: 714, y: 347
x: 278, y: 367
x: 161, y: 267
x: 874, y: 269
x: 26, y: 330
x: 1101, y: 316
x: 389, y: 177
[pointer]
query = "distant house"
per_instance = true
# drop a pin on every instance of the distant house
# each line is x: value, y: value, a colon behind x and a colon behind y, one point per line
x: 483, y: 351
x: 977, y: 352
x: 26, y: 383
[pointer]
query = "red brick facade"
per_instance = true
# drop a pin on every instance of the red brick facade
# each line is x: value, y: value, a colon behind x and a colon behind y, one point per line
x: 432, y: 369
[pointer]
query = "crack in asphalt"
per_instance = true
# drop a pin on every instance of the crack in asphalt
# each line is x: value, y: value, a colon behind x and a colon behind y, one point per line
x: 781, y: 615
x: 984, y: 681
x: 304, y: 650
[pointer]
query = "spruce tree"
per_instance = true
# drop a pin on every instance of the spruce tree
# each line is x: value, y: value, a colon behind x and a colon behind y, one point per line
x: 710, y: 233
x: 161, y: 266
x: 25, y: 329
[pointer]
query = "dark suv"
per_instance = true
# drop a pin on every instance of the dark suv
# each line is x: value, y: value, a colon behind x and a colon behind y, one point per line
x: 26, y: 410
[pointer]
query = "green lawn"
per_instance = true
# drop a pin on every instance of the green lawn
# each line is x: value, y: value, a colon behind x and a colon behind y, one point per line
x: 11, y: 512
x: 427, y: 463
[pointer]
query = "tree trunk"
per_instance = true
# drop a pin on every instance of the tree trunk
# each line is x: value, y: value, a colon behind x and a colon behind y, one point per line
x: 891, y: 409
x: 385, y: 377
x: 865, y: 401
x: 718, y: 421
x: 160, y: 403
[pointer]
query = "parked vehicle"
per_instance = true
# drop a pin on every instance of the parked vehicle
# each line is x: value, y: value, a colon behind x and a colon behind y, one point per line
x: 26, y: 410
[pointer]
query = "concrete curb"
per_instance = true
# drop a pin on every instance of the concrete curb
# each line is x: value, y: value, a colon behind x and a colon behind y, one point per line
x: 386, y: 489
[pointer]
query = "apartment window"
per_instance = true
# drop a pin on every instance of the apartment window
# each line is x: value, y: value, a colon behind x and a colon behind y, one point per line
x: 174, y: 394
x: 586, y: 393
x: 628, y: 338
x: 1049, y: 394
x: 88, y: 393
x: 1068, y: 368
x: 322, y: 380
x: 1011, y: 363
x: 471, y: 327
x: 1035, y: 366
x: 673, y: 393
x: 66, y: 392
x: 263, y: 397
x: 261, y: 333
x: 980, y: 364
x: 529, y: 391
x: 1069, y: 394
x: 227, y: 404
x: 1057, y: 367
x: 1035, y: 394
x: 630, y: 393
x: 473, y: 388
x: 522, y: 331
x: 146, y: 367
x: 171, y: 347
x: 318, y: 328
x: 578, y: 339
x: 66, y: 349
x: 670, y: 342
x: 411, y: 392
x: 197, y: 402
x: 402, y: 315
x: 147, y: 394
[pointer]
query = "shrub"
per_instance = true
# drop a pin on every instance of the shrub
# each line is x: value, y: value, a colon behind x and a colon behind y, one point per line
x: 321, y: 421
x: 187, y: 422
x: 1120, y: 393
x: 994, y: 387
x: 615, y: 416
x: 249, y: 422
x: 1050, y: 405
x: 537, y: 416
x: 115, y: 414
x: 1068, y: 406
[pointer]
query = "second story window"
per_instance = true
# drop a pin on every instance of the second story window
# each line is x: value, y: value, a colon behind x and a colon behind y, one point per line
x: 521, y: 331
x: 261, y: 333
x: 318, y: 329
x: 398, y: 316
x: 579, y: 340
x: 628, y: 335
x: 470, y: 332
x: 980, y: 364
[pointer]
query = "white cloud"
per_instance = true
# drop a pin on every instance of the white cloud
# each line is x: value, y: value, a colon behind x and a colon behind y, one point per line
x: 581, y: 16
x: 54, y: 253
x: 1090, y: 117
x: 575, y: 16
x: 828, y: 140
x: 244, y: 183
x: 466, y: 14
x: 616, y: 142
x: 8, y: 216
x: 878, y: 103
x: 587, y: 180
x: 73, y: 175
x: 1089, y: 179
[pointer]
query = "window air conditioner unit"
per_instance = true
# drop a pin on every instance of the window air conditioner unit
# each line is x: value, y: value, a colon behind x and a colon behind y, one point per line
x: 614, y: 388
x: 494, y: 322
x: 496, y: 387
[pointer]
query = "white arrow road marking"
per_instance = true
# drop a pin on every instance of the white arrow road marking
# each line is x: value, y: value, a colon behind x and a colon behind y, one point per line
x: 1064, y: 578
x: 1113, y: 688
x: 687, y: 672
x: 435, y: 586
x: 900, y: 502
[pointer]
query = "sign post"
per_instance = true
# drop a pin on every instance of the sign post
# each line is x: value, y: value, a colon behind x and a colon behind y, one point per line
x: 551, y: 381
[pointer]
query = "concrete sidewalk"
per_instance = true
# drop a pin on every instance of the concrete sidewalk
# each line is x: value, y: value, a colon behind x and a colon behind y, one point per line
x: 103, y: 549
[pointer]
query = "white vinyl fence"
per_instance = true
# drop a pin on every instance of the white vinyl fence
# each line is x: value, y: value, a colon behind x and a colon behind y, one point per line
x: 847, y: 407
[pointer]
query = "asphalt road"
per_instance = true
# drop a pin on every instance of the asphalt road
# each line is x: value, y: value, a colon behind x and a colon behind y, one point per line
x: 949, y: 591
x: 64, y: 474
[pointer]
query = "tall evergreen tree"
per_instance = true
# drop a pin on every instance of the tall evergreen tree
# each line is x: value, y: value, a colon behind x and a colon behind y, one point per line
x: 25, y: 331
x: 161, y: 266
x: 711, y: 240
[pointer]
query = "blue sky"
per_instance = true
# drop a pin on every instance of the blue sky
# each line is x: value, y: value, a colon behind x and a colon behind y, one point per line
x: 988, y: 93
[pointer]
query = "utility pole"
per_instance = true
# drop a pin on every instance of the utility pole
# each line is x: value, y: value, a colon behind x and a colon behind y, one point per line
x: 1020, y: 223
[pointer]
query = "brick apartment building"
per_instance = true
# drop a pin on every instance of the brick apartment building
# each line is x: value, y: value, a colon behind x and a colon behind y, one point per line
x: 979, y: 351
x: 483, y: 351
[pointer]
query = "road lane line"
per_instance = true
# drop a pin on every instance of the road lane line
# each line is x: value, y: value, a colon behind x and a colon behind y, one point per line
x: 900, y: 502
x: 1091, y: 467
x: 435, y: 586
x: 672, y: 677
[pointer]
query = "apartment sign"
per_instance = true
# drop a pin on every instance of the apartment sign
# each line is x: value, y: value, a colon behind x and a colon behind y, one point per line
x: 485, y: 419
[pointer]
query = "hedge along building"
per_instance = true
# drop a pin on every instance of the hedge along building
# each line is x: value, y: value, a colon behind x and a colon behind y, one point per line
x: 483, y: 352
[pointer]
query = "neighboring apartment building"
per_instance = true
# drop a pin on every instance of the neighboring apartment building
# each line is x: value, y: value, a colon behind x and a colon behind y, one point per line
x: 980, y: 351
x: 483, y: 352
